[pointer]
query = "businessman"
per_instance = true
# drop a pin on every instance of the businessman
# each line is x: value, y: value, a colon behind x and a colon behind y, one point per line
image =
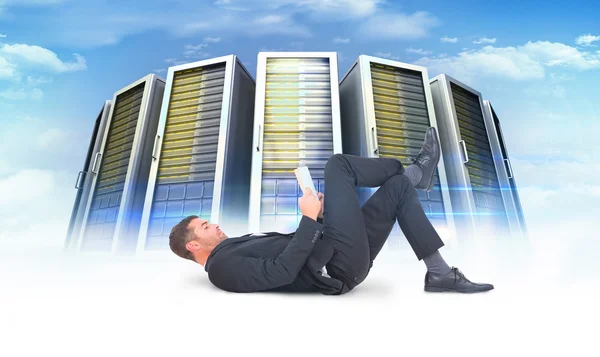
x: 337, y: 240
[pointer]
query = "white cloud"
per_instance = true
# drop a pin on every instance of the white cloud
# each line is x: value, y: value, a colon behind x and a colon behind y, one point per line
x: 276, y: 25
x: 37, y: 56
x: 22, y: 94
x: 159, y: 70
x: 485, y: 40
x: 2, y: 35
x: 174, y: 61
x: 212, y: 39
x: 547, y: 90
x: 35, y: 204
x: 447, y: 39
x: 337, y: 8
x: 586, y: 40
x: 341, y: 40
x: 52, y: 137
x: 24, y: 188
x: 418, y: 51
x: 524, y: 62
x: 297, y: 45
x: 399, y: 26
x: 36, y: 80
x: 387, y: 55
x: 195, y: 47
x: 7, y: 69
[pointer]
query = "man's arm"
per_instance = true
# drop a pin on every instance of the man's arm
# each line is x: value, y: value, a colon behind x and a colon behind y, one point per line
x: 249, y: 274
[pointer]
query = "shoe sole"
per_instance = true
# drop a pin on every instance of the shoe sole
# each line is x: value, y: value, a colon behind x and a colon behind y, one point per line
x: 433, y: 289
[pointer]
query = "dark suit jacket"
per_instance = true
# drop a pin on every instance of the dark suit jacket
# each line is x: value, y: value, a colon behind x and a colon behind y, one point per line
x: 275, y: 262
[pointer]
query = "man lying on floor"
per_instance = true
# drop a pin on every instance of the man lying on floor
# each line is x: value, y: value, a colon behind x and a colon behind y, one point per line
x: 337, y: 234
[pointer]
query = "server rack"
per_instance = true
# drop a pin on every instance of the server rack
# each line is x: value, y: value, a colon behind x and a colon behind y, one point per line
x: 469, y: 154
x: 297, y: 122
x: 85, y: 177
x: 386, y: 108
x: 202, y: 152
x: 516, y: 219
x: 113, y: 212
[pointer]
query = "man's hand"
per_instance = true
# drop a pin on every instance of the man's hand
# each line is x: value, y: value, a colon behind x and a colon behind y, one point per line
x: 322, y: 199
x: 309, y: 204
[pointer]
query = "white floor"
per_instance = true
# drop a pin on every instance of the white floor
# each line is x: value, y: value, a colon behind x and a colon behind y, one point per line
x: 546, y: 301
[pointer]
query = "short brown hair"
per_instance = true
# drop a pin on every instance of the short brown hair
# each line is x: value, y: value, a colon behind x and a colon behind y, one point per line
x: 180, y: 235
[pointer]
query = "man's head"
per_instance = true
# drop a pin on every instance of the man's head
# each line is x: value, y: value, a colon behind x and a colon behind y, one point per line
x: 194, y: 238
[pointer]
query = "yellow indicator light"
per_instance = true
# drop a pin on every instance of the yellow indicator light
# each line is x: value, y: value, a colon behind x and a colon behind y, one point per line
x: 281, y: 161
x: 380, y: 97
x: 172, y: 176
x: 180, y: 133
x: 177, y: 167
x: 389, y: 75
x: 175, y: 150
x: 183, y: 101
x: 197, y: 69
x: 181, y: 141
x: 201, y: 83
x: 167, y: 159
x: 109, y: 171
x: 391, y: 122
x: 391, y: 91
x: 182, y: 116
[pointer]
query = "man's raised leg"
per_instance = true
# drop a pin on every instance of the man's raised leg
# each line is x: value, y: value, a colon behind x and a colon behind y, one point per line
x: 344, y: 226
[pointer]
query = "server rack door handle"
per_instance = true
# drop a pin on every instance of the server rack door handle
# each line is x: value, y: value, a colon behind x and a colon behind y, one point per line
x: 464, y: 146
x: 258, y: 145
x: 79, y: 180
x: 154, y: 155
x: 94, y: 168
x: 509, y: 168
x: 374, y: 140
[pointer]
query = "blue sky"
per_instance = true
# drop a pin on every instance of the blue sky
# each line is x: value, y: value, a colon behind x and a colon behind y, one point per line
x: 60, y: 59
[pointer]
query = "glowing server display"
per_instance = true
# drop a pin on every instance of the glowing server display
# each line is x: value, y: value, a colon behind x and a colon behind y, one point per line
x: 470, y: 153
x: 514, y: 210
x: 86, y: 176
x: 202, y: 152
x: 386, y: 108
x: 114, y: 207
x: 297, y: 122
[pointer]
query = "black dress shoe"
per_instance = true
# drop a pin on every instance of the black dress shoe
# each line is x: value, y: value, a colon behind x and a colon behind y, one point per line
x: 454, y: 281
x: 428, y: 159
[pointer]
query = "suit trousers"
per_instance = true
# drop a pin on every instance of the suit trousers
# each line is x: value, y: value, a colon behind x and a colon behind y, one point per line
x: 357, y: 233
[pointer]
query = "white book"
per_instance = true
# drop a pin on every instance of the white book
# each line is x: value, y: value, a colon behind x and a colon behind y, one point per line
x: 304, y: 179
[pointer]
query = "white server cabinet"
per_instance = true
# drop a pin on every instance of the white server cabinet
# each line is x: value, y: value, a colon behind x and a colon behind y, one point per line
x: 297, y: 122
x: 516, y: 219
x: 470, y: 153
x: 202, y: 152
x: 85, y: 177
x: 386, y: 108
x: 113, y: 212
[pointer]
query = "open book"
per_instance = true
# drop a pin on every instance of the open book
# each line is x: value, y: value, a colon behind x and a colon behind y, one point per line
x: 304, y: 179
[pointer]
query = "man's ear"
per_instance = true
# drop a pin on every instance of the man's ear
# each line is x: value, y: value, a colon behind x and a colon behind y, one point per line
x: 192, y: 246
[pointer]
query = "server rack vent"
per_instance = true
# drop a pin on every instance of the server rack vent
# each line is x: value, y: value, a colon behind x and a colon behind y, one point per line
x: 482, y: 172
x: 106, y: 201
x: 187, y: 164
x: 402, y: 118
x: 297, y: 131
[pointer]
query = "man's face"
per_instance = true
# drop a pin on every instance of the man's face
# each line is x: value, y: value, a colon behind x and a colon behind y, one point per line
x: 208, y: 235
